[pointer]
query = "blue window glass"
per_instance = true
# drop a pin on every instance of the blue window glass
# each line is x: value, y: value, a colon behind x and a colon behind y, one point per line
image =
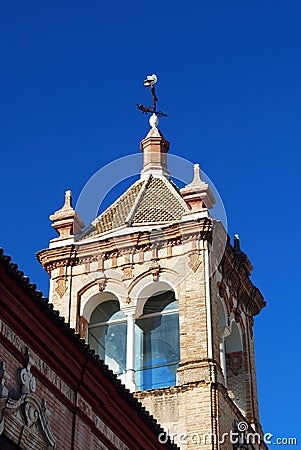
x: 157, y: 342
x: 107, y: 335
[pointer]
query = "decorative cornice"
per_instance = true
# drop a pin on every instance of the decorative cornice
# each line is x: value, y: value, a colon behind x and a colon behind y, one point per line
x: 80, y: 253
x: 248, y: 296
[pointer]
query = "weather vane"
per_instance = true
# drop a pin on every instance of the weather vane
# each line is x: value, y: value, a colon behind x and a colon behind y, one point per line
x: 149, y: 82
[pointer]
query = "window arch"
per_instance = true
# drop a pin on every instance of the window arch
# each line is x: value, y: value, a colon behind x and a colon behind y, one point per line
x: 157, y: 347
x: 107, y: 335
x: 143, y: 352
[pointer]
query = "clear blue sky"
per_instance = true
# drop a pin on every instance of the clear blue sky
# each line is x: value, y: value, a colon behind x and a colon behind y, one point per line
x: 230, y: 78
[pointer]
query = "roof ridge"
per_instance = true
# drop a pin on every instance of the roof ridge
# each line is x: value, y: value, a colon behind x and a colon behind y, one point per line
x: 92, y: 229
x: 137, y: 201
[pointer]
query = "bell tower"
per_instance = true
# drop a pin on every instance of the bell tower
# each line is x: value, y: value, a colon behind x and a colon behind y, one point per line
x: 161, y: 294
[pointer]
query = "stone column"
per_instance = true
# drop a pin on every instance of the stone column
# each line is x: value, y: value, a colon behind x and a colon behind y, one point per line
x: 222, y: 354
x: 130, y: 351
x: 223, y: 333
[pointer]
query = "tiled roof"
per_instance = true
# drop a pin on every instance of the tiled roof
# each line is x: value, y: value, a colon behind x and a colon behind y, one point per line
x: 159, y: 203
x: 43, y: 303
x: 149, y: 201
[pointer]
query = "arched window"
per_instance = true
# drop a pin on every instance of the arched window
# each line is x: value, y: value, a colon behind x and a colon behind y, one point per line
x: 236, y: 381
x: 143, y: 352
x: 157, y: 348
x: 107, y: 335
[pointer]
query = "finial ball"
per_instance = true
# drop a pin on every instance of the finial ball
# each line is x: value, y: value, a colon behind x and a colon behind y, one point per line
x: 154, y: 121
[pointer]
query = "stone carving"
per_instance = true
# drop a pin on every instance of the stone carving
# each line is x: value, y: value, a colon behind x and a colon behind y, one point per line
x: 127, y: 272
x: 102, y: 284
x: 195, y: 260
x: 41, y: 366
x: 28, y: 380
x: 61, y: 285
x: 24, y: 422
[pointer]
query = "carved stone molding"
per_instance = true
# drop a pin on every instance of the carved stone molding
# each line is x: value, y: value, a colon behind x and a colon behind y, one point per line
x: 61, y: 285
x: 28, y: 380
x: 195, y: 260
x: 24, y: 422
x: 127, y: 272
x: 101, y: 284
x: 241, y: 287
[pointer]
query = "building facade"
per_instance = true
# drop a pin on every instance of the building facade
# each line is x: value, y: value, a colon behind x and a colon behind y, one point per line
x: 55, y: 393
x: 155, y: 287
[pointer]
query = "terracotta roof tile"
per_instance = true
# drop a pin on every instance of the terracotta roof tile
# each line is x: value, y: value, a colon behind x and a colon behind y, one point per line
x: 158, y: 204
x: 153, y: 200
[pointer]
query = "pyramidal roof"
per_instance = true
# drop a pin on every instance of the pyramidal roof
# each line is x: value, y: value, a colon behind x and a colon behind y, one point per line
x: 152, y: 200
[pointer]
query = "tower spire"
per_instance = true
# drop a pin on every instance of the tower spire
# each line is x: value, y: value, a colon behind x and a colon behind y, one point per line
x: 155, y: 148
x: 154, y: 145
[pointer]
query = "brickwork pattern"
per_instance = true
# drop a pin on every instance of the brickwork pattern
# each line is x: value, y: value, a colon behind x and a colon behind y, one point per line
x: 206, y: 400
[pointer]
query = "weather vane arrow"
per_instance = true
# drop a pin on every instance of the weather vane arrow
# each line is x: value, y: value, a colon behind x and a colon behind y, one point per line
x: 150, y: 82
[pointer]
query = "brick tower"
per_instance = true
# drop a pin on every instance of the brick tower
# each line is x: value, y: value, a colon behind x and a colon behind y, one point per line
x: 162, y: 296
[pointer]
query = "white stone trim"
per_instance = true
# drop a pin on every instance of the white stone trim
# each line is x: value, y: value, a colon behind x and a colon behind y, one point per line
x: 96, y: 299
x: 130, y: 352
x: 112, y: 287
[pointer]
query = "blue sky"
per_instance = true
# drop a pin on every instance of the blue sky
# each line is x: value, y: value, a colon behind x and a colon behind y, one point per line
x: 229, y: 76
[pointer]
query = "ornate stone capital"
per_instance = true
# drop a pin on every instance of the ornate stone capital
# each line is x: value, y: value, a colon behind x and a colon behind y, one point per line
x: 224, y: 332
